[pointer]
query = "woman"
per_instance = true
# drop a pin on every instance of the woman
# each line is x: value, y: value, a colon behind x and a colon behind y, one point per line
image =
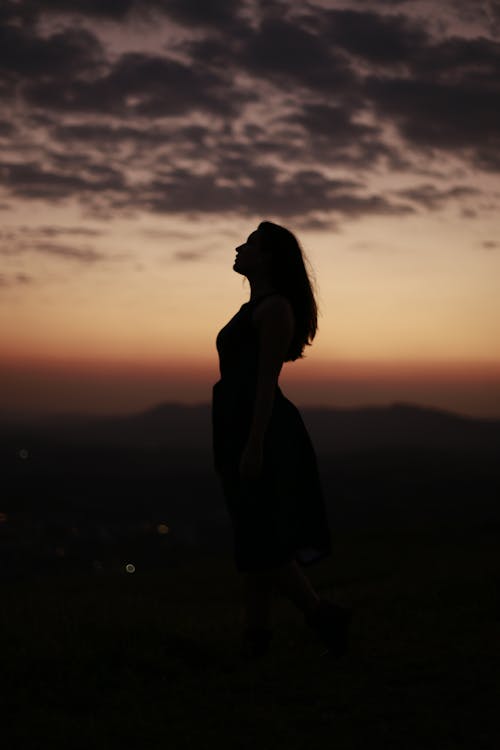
x: 262, y: 451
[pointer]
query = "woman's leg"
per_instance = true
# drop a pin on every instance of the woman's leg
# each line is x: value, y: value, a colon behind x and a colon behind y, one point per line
x: 257, y: 606
x: 295, y: 585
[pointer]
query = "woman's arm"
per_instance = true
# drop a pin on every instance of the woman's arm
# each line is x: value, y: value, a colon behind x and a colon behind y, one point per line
x: 275, y: 325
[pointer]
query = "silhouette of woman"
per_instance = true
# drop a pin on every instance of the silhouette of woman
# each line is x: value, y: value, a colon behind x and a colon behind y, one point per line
x: 262, y: 451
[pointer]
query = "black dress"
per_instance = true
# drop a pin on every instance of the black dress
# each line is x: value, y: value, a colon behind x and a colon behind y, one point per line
x: 280, y: 516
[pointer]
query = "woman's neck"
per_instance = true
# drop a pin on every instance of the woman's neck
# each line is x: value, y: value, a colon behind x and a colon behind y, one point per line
x: 259, y: 291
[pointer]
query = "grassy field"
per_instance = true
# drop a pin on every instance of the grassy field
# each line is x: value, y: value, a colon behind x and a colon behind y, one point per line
x: 150, y: 659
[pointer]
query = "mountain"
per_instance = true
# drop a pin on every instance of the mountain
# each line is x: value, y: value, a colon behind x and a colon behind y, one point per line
x: 108, y: 479
x: 185, y: 427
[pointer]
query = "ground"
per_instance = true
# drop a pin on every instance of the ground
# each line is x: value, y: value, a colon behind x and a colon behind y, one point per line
x: 150, y: 659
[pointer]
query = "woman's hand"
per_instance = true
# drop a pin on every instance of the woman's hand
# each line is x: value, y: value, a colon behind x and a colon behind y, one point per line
x: 251, y: 460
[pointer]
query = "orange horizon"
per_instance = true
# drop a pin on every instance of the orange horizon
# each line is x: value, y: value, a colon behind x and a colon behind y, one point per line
x: 51, y: 384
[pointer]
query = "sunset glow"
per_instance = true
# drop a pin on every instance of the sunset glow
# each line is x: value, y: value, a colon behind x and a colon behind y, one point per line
x: 143, y: 147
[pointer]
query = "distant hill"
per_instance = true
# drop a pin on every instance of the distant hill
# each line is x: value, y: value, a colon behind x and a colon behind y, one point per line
x: 333, y: 430
x: 401, y: 466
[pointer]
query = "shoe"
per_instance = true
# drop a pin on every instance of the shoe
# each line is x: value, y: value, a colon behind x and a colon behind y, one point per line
x: 332, y: 623
x: 256, y: 642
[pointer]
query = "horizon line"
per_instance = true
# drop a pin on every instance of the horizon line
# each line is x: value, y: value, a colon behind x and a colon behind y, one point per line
x: 36, y: 415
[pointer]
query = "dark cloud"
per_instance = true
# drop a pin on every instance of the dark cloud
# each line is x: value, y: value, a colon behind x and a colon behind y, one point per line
x: 486, y: 12
x: 490, y: 244
x: 249, y: 111
x: 309, y: 135
x: 332, y: 121
x: 6, y: 129
x: 16, y: 279
x: 446, y: 96
x: 385, y: 39
x: 33, y: 181
x: 110, y: 9
x: 460, y: 61
x: 441, y: 116
x: 55, y: 231
x: 81, y: 254
x: 331, y: 133
x: 280, y: 51
x: 265, y: 190
x: 146, y: 148
x: 103, y: 135
x: 316, y: 223
x: 26, y: 55
x: 468, y: 213
x: 19, y: 14
x: 187, y: 255
x: 451, y: 101
x: 167, y: 234
x: 217, y: 14
x: 487, y: 157
x: 68, y: 71
x: 142, y: 85
x: 14, y: 243
x: 429, y: 197
x: 17, y: 240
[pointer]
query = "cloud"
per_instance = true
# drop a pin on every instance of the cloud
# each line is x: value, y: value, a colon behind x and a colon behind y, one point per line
x: 266, y: 190
x: 187, y: 255
x: 83, y: 255
x: 450, y: 102
x: 429, y: 197
x: 18, y: 240
x: 257, y: 108
x: 279, y: 51
x: 380, y: 39
x: 218, y: 14
x: 141, y: 85
x: 167, y: 234
x: 103, y: 135
x: 332, y: 121
x: 16, y: 279
x: 55, y: 231
x: 332, y: 133
x: 6, y: 129
x: 29, y: 57
x: 32, y: 180
x: 100, y: 9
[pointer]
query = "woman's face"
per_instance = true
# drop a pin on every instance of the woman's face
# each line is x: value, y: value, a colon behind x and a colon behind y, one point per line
x: 250, y: 258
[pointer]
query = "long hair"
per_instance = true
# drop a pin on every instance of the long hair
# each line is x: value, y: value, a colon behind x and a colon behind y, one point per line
x: 289, y: 276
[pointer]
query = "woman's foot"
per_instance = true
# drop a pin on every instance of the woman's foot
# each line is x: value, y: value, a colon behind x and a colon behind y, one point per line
x: 332, y: 623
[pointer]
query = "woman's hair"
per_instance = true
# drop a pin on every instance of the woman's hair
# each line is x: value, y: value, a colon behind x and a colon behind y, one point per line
x: 289, y: 276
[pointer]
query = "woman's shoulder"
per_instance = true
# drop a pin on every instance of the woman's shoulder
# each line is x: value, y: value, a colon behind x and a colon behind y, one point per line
x: 273, y: 305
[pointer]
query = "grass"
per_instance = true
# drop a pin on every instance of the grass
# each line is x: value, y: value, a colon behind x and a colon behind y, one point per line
x: 150, y: 659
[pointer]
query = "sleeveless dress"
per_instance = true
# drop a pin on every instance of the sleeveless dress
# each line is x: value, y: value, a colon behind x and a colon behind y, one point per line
x: 281, y: 515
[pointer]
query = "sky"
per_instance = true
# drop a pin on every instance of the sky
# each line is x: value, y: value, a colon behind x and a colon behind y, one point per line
x: 141, y: 142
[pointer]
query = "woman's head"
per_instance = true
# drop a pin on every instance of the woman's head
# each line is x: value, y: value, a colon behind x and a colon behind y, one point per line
x: 250, y: 260
x: 273, y: 252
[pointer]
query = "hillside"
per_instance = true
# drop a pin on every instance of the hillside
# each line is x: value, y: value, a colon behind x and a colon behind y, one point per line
x: 116, y: 479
